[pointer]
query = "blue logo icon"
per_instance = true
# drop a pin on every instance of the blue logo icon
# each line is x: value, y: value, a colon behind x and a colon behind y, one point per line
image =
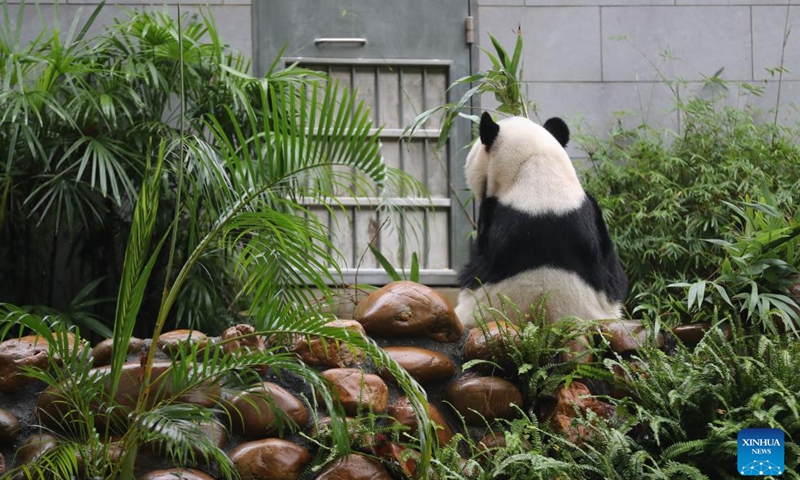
x: 760, y: 451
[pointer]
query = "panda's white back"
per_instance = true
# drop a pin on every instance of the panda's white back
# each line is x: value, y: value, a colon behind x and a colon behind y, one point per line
x: 538, y: 231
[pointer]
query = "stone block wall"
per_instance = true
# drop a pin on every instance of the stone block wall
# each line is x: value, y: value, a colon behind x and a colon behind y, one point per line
x: 589, y: 60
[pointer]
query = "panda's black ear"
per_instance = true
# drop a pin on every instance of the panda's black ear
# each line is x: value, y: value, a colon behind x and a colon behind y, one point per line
x: 559, y: 129
x: 488, y: 130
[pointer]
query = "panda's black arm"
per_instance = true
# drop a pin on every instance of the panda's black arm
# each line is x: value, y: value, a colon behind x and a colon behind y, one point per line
x: 606, y: 244
x: 616, y: 280
x: 485, y: 215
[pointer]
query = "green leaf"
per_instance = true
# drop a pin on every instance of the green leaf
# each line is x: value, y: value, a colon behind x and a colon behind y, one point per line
x: 414, y: 275
x: 385, y: 263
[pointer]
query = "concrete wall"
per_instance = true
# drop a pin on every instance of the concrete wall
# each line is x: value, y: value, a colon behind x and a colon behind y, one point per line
x: 589, y: 60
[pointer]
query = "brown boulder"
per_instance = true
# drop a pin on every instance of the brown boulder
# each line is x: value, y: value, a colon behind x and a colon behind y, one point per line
x: 54, y: 410
x: 578, y: 351
x: 693, y: 333
x: 162, y: 386
x: 270, y: 459
x: 358, y: 391
x: 354, y: 467
x: 177, y: 340
x: 9, y: 427
x: 211, y: 429
x: 619, y: 387
x: 264, y: 410
x: 177, y: 474
x: 240, y: 339
x: 29, y: 351
x: 101, y: 353
x: 324, y: 352
x: 483, y: 399
x: 492, y: 342
x: 216, y: 432
x: 574, y: 402
x: 491, y: 441
x: 403, y: 413
x: 409, y: 309
x: 628, y: 335
x: 34, y: 447
x: 425, y: 366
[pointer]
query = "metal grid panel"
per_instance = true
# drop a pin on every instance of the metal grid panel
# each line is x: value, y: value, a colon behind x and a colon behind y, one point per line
x: 396, y: 92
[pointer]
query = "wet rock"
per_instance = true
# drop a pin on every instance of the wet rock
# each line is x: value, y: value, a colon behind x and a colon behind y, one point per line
x: 29, y: 351
x: 628, y: 335
x: 483, y: 399
x: 130, y: 382
x: 9, y: 427
x: 492, y: 342
x: 409, y: 309
x: 491, y: 441
x: 693, y: 333
x: 177, y: 474
x: 101, y: 353
x: 177, y: 340
x: 406, y: 458
x: 323, y: 352
x: 240, y: 339
x: 574, y: 402
x: 55, y: 410
x: 114, y: 451
x: 34, y: 447
x: 52, y: 407
x: 425, y: 366
x: 358, y: 391
x: 265, y: 410
x: 270, y: 459
x: 403, y: 413
x: 579, y: 351
x: 619, y: 387
x: 216, y: 432
x: 354, y: 467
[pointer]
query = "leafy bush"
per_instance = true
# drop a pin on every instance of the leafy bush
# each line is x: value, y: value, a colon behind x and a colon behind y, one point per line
x: 218, y: 185
x: 79, y: 117
x: 679, y: 418
x: 663, y: 198
x: 761, y: 264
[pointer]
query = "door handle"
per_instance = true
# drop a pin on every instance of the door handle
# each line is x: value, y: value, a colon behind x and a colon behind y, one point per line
x: 340, y: 41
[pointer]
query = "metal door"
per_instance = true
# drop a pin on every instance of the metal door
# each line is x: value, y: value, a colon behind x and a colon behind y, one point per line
x: 401, y: 56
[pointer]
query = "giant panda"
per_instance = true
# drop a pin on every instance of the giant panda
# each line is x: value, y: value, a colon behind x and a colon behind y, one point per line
x: 538, y: 232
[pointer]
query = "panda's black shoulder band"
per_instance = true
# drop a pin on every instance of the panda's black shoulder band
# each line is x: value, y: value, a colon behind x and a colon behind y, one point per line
x: 558, y: 128
x: 488, y: 130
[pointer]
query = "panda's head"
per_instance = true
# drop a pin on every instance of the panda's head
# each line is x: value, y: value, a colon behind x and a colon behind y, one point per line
x: 524, y: 165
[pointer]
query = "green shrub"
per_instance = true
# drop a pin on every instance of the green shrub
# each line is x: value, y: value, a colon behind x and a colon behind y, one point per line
x: 761, y: 264
x: 663, y: 198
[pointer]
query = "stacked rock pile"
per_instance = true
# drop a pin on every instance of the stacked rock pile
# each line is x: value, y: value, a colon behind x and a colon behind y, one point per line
x: 416, y: 327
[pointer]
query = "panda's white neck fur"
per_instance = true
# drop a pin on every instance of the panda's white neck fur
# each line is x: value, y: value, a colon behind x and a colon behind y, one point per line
x: 542, y: 188
x: 528, y: 169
